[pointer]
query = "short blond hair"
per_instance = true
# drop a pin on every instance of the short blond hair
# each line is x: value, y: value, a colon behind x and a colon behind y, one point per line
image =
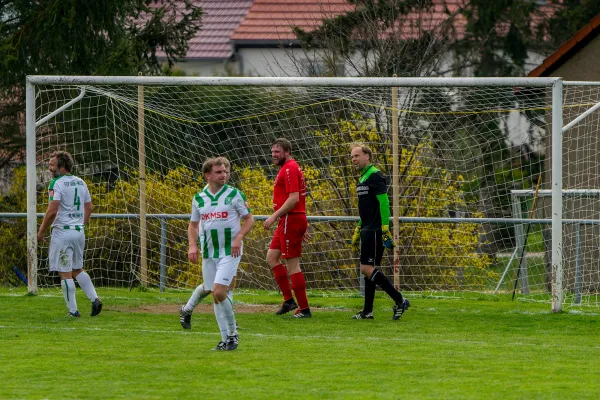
x: 214, y: 162
x: 364, y: 148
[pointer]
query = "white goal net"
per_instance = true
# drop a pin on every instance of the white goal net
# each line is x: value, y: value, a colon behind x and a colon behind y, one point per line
x: 463, y: 151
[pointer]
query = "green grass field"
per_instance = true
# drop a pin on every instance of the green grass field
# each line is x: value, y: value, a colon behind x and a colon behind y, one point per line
x: 444, y: 347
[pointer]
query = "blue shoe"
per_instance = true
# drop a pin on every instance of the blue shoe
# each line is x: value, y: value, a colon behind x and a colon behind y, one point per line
x: 74, y: 314
x: 399, y: 309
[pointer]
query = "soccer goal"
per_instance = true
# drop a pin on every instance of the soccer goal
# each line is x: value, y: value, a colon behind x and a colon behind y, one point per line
x: 453, y: 149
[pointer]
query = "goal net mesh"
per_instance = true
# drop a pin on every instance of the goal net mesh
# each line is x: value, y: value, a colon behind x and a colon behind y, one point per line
x: 463, y: 151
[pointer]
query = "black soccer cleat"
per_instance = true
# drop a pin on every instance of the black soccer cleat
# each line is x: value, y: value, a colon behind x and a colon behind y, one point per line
x: 287, y: 306
x: 185, y: 318
x: 221, y: 346
x: 232, y: 342
x: 361, y: 315
x: 303, y: 313
x: 399, y: 309
x: 74, y: 314
x: 96, y: 307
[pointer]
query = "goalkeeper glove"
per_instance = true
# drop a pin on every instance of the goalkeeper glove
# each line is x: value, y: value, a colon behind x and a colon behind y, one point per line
x: 386, y: 237
x: 356, y: 239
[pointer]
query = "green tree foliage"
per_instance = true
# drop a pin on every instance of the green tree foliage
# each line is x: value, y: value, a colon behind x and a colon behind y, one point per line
x: 79, y: 37
x: 570, y: 16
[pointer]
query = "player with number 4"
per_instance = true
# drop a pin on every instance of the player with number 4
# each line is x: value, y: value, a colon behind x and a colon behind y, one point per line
x: 69, y: 210
x: 372, y: 234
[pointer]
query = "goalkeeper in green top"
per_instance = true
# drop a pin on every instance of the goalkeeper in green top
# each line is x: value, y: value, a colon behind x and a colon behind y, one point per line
x: 372, y: 234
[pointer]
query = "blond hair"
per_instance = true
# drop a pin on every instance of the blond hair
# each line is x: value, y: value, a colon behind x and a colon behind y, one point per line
x: 214, y: 162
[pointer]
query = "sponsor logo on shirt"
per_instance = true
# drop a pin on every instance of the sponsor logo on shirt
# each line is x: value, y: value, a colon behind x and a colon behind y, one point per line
x: 215, y: 215
x: 362, y: 190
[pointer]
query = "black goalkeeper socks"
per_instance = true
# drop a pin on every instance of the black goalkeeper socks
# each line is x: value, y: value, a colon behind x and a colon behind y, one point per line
x: 369, y: 295
x: 383, y: 282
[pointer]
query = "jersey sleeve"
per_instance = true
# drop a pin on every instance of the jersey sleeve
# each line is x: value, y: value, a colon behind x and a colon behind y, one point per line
x: 377, y: 184
x: 87, y: 197
x: 54, y: 192
x: 195, y: 210
x: 241, y: 205
x: 292, y: 179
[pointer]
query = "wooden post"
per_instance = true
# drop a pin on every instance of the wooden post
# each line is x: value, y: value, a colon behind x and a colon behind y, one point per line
x: 142, y: 178
x: 395, y: 187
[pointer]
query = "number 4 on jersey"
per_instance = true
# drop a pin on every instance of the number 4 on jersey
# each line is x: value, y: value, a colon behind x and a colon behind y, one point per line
x: 77, y: 200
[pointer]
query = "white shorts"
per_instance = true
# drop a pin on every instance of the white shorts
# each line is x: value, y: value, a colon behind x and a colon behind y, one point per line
x: 66, y: 250
x: 219, y: 270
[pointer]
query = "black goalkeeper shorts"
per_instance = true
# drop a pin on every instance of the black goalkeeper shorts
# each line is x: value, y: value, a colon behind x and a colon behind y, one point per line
x: 371, y: 247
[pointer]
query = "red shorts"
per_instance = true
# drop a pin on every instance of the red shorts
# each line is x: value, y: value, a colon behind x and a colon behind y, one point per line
x: 288, y: 235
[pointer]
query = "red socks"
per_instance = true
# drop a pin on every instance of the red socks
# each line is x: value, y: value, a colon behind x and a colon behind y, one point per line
x: 299, y: 286
x: 281, y: 277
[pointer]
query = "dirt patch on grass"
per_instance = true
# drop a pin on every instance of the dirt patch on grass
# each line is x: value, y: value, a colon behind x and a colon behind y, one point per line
x: 203, y: 308
x: 207, y: 308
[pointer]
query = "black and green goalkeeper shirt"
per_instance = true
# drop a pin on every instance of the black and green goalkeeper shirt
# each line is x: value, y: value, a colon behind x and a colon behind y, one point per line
x: 373, y: 202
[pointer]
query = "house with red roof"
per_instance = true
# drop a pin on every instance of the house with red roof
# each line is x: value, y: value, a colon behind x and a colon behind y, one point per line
x: 211, y: 52
x: 578, y: 59
x: 256, y: 37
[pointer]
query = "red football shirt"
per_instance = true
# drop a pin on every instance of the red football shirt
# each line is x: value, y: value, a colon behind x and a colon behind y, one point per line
x: 290, y: 179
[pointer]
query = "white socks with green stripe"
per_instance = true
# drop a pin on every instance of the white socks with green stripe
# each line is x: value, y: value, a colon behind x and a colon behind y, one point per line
x: 85, y: 283
x: 196, y: 298
x: 225, y: 318
x: 68, y: 288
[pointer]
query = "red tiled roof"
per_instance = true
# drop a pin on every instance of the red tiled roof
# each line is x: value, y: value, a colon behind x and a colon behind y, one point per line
x: 273, y: 19
x: 568, y: 49
x: 219, y: 20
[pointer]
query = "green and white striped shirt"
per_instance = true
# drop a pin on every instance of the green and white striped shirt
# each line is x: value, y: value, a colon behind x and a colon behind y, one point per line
x: 72, y: 192
x: 220, y: 218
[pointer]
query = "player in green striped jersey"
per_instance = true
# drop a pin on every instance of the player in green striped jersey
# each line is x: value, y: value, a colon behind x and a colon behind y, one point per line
x: 219, y: 209
x: 68, y: 212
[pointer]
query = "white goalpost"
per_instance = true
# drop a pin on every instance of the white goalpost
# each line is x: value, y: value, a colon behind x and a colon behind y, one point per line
x: 453, y: 150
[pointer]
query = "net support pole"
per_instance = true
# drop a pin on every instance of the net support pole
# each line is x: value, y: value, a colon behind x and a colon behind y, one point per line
x: 142, y: 178
x: 395, y: 187
x: 31, y: 188
x: 557, y: 228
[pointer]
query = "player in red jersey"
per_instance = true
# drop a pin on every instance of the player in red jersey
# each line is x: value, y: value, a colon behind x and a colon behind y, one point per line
x: 289, y: 199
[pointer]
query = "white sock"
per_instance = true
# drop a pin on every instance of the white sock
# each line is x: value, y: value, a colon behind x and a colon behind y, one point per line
x: 221, y: 321
x: 85, y: 283
x: 68, y: 287
x: 196, y: 298
x: 230, y: 295
x: 225, y: 309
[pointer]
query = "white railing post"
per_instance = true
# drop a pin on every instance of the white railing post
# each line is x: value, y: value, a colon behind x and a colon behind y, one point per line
x: 31, y: 188
x: 557, y: 228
